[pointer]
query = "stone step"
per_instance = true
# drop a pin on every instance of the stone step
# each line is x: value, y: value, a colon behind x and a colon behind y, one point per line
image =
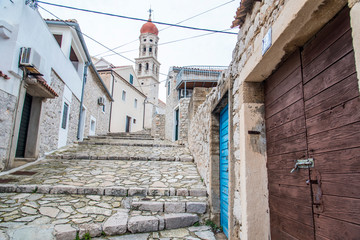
x: 169, y: 204
x: 101, y: 191
x: 65, y: 217
x: 129, y: 144
x: 184, y: 158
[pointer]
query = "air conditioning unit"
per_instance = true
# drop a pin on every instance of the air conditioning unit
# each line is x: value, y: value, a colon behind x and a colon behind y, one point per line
x: 101, y: 101
x: 30, y: 59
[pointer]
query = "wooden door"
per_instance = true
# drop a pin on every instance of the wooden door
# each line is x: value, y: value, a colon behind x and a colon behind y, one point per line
x: 332, y: 112
x: 224, y: 169
x: 24, y: 127
x: 313, y: 111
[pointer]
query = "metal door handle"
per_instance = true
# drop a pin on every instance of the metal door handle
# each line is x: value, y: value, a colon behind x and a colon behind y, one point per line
x: 303, y: 163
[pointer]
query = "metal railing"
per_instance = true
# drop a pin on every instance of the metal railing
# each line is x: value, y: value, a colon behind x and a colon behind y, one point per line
x: 199, y: 74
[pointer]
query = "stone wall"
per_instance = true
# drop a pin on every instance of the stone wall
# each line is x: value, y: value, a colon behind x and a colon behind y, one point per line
x: 51, y: 117
x: 73, y: 120
x: 92, y: 92
x: 183, y: 120
x: 158, y: 126
x: 197, y: 98
x: 7, y: 114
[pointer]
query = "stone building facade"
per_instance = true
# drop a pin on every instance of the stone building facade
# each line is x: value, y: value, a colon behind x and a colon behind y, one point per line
x: 41, y: 83
x: 290, y: 25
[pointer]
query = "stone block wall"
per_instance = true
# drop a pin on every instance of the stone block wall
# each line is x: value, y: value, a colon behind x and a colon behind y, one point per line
x: 73, y: 120
x: 50, y: 117
x: 7, y: 114
x: 183, y: 120
x: 158, y: 126
x: 92, y: 92
x: 197, y: 98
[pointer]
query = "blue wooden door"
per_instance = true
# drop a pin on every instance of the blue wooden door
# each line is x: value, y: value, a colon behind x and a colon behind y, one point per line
x: 224, y: 169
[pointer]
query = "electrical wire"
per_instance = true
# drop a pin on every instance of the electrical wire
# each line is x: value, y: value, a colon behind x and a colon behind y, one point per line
x: 93, y: 39
x: 211, y: 9
x: 173, y: 41
x: 137, y: 19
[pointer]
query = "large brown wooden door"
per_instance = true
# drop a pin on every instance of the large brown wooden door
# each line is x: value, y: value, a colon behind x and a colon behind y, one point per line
x: 313, y: 111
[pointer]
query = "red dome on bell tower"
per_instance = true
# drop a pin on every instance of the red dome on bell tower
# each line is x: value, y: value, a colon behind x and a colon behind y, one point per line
x: 149, y: 27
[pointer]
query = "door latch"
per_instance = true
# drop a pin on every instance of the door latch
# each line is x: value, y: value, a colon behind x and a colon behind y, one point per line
x: 303, y: 163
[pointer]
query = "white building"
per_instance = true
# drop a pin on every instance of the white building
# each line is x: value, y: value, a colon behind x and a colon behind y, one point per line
x: 42, y: 90
x: 127, y: 110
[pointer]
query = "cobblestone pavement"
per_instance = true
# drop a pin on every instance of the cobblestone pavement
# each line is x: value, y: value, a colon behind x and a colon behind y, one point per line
x: 71, y: 194
x: 114, y: 152
x: 99, y: 173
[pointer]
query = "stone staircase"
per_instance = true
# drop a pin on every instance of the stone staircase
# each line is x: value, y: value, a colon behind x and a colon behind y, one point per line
x: 104, y: 186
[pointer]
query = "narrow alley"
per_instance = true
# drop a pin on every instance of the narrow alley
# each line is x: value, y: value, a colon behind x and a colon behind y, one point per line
x: 107, y: 185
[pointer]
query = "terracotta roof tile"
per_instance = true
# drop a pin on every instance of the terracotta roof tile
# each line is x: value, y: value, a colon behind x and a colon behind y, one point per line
x: 42, y: 81
x: 245, y: 7
x: 59, y: 20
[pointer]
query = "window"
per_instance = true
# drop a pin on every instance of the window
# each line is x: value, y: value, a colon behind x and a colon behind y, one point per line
x: 153, y: 68
x: 135, y: 103
x: 103, y: 108
x: 134, y: 121
x: 123, y: 95
x: 168, y: 86
x: 147, y: 66
x: 139, y: 67
x: 144, y: 49
x: 150, y: 49
x: 65, y: 116
x: 131, y: 79
x: 151, y: 40
x: 144, y: 39
x: 58, y: 38
x: 74, y: 59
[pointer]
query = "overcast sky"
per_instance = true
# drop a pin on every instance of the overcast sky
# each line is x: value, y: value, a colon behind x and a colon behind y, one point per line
x: 214, y: 49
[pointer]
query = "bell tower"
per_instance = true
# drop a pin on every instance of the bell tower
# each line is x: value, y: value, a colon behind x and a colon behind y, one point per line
x: 147, y: 68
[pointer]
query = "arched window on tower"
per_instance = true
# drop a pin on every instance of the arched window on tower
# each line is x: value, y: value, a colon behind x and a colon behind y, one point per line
x: 139, y: 70
x: 144, y: 49
x: 155, y: 52
x: 153, y: 68
x: 150, y: 49
x: 147, y: 66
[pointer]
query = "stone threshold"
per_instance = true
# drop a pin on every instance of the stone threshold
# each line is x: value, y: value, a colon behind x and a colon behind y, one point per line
x: 102, y: 191
x: 131, y: 144
x: 186, y: 158
x: 124, y: 222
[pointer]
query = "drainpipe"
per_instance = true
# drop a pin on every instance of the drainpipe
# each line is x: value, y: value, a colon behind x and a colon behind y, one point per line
x: 144, y: 113
x: 87, y: 64
x: 112, y: 95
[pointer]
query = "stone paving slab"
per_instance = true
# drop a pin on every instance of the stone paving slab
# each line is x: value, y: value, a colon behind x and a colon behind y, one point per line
x: 66, y: 215
x: 119, y: 178
x: 130, y: 142
x: 190, y: 233
x: 118, y: 152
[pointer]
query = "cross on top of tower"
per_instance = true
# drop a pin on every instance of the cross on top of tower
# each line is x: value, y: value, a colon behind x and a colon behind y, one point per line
x: 150, y: 11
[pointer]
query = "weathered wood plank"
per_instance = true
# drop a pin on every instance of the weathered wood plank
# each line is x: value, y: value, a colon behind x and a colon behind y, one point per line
x: 288, y: 145
x: 333, y: 96
x: 345, y: 185
x: 332, y: 54
x: 342, y: 161
x: 335, y: 229
x: 285, y: 228
x: 285, y: 69
x: 332, y: 75
x: 283, y: 176
x: 340, y: 208
x: 288, y: 83
x: 288, y: 114
x: 326, y: 36
x: 284, y: 161
x: 344, y: 114
x: 284, y: 101
x: 336, y: 139
x: 291, y: 210
x: 294, y: 193
x: 287, y: 130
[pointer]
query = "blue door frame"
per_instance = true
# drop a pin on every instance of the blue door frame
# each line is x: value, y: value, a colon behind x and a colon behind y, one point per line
x: 224, y: 169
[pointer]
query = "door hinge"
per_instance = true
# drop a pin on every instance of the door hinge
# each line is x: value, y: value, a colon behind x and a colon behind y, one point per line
x: 303, y: 163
